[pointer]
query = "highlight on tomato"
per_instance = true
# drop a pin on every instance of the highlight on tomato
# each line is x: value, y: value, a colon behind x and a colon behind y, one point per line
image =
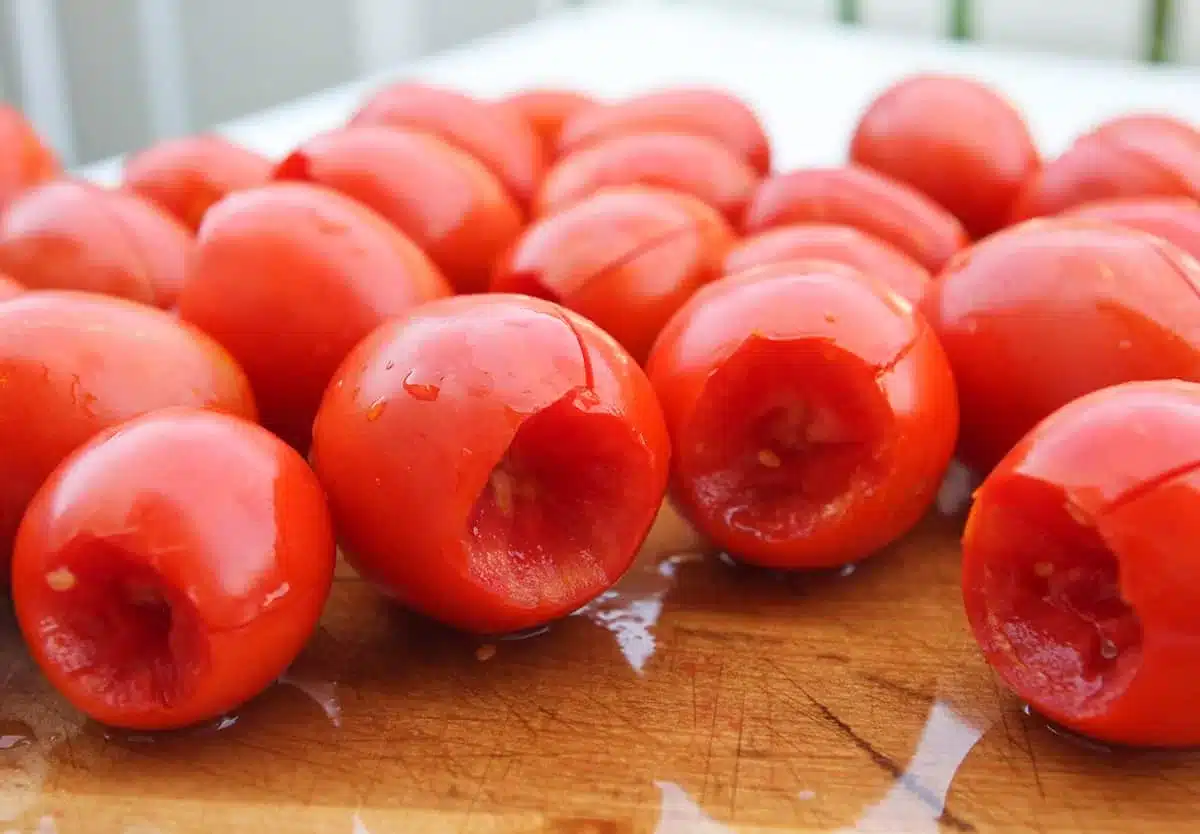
x: 1174, y: 219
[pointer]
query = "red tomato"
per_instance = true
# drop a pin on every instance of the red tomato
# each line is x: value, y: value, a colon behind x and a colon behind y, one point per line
x: 172, y: 568
x: 547, y: 111
x: 695, y: 165
x: 289, y: 277
x: 501, y: 140
x: 626, y: 258
x: 812, y: 413
x: 72, y: 364
x: 1048, y: 311
x: 9, y: 288
x: 858, y: 197
x: 843, y: 244
x: 1079, y: 565
x: 1131, y: 156
x: 1174, y: 219
x: 704, y: 112
x: 73, y: 235
x: 186, y: 176
x: 25, y: 161
x: 444, y: 199
x: 529, y: 445
x: 954, y: 139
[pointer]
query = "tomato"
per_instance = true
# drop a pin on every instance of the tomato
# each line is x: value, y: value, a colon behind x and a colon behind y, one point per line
x: 954, y: 139
x: 289, y: 277
x: 626, y: 258
x: 854, y: 196
x: 1174, y: 219
x: 1131, y: 156
x: 501, y: 140
x: 72, y: 364
x: 697, y: 110
x: 1050, y: 310
x: 492, y: 461
x: 186, y: 176
x: 694, y: 165
x: 73, y: 235
x: 842, y: 244
x: 546, y: 111
x: 812, y: 413
x: 172, y: 568
x: 1079, y: 565
x: 9, y: 288
x: 25, y: 161
x: 444, y: 199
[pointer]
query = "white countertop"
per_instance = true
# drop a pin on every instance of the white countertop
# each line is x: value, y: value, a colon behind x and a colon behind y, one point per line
x: 809, y: 82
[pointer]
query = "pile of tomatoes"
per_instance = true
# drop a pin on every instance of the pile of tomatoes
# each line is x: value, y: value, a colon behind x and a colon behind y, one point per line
x: 476, y: 343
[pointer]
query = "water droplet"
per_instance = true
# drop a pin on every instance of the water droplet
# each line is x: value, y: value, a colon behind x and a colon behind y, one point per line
x: 423, y: 391
x: 376, y: 409
x: 1108, y: 649
x: 847, y: 570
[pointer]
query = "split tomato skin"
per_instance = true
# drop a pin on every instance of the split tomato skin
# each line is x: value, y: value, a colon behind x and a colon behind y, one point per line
x: 1040, y: 314
x: 172, y: 568
x: 25, y: 160
x: 1174, y: 219
x: 1079, y: 565
x: 547, y: 110
x: 812, y: 413
x: 528, y: 443
x: 442, y: 198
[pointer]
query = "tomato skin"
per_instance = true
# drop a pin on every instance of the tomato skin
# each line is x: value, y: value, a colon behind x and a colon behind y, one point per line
x: 1174, y: 219
x: 509, y: 426
x: 9, y: 288
x: 186, y: 176
x: 842, y: 244
x: 625, y: 258
x: 1040, y: 314
x: 1130, y: 156
x: 803, y: 373
x: 695, y: 165
x: 858, y: 197
x: 321, y: 269
x: 25, y: 161
x: 705, y: 112
x: 1078, y: 565
x: 502, y: 141
x: 546, y: 111
x: 445, y: 200
x: 74, y: 364
x: 73, y: 235
x: 955, y: 140
x: 193, y: 517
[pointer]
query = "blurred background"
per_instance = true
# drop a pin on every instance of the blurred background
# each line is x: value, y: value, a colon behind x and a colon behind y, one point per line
x: 100, y: 77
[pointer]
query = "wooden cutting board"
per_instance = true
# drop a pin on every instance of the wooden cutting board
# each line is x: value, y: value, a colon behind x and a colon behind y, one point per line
x: 699, y: 698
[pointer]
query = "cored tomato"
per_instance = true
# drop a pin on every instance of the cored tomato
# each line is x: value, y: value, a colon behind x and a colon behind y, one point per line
x: 695, y: 165
x: 501, y: 140
x: 25, y: 160
x: 289, y: 277
x: 186, y: 176
x: 9, y: 288
x: 546, y: 111
x: 812, y: 413
x: 626, y: 258
x: 842, y: 244
x: 443, y: 198
x: 1050, y: 310
x: 527, y: 442
x: 955, y: 140
x: 1079, y: 565
x: 855, y: 196
x: 1174, y: 219
x: 72, y: 364
x: 716, y: 114
x: 172, y: 568
x: 72, y: 235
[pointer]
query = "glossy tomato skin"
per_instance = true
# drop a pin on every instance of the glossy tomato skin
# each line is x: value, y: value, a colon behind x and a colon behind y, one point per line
x: 1079, y: 564
x: 855, y: 196
x: 626, y: 258
x: 955, y: 140
x: 547, y: 110
x: 1130, y: 156
x: 74, y: 364
x: 76, y: 236
x: 1174, y: 219
x: 186, y: 176
x: 501, y: 140
x: 25, y: 160
x: 444, y: 199
x: 812, y: 413
x: 841, y: 244
x: 172, y: 568
x: 288, y: 278
x: 1045, y: 312
x: 695, y: 165
x: 9, y: 288
x: 529, y: 445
